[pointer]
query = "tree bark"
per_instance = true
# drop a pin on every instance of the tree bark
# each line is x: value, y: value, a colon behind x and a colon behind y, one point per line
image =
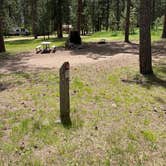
x: 153, y: 12
x: 59, y: 20
x: 145, y: 54
x: 34, y: 18
x: 2, y: 43
x: 127, y: 27
x: 164, y: 28
x: 79, y: 15
x: 107, y: 15
x: 118, y: 14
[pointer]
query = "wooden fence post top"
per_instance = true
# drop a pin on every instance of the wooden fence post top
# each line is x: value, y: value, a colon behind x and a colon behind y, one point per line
x: 65, y: 66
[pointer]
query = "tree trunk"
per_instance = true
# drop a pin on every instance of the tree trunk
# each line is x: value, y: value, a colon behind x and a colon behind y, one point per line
x: 2, y: 44
x: 59, y: 30
x: 153, y: 12
x: 79, y: 15
x: 107, y: 15
x: 59, y: 19
x: 164, y: 28
x: 118, y: 14
x: 145, y: 53
x: 127, y: 27
x: 34, y: 18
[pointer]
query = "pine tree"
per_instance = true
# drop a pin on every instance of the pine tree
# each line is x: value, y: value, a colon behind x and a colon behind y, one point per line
x: 59, y: 19
x: 127, y: 26
x: 79, y: 15
x: 164, y: 28
x: 145, y: 53
x: 34, y: 10
x: 2, y: 44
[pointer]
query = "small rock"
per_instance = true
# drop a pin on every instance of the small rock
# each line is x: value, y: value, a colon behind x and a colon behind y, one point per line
x: 22, y: 103
x: 96, y: 128
x: 33, y: 110
x: 155, y: 109
x: 5, y: 128
x: 58, y: 121
x: 75, y: 91
x: 35, y: 146
x: 22, y: 146
x: 114, y: 105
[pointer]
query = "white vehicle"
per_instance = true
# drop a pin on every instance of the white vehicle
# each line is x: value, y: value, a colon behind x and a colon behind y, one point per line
x: 67, y: 28
x: 19, y: 31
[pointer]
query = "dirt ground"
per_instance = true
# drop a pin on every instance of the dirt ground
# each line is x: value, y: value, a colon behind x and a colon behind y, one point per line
x: 116, y: 53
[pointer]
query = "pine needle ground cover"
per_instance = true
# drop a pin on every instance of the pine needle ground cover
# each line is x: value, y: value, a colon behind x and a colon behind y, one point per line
x: 118, y: 117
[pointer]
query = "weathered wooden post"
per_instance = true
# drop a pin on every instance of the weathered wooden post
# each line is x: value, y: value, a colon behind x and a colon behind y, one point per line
x: 64, y: 94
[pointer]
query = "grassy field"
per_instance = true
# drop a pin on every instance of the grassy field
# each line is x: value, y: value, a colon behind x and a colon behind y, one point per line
x: 23, y: 44
x: 118, y: 118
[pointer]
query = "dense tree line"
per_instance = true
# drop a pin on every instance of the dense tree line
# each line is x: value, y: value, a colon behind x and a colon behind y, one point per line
x: 43, y: 17
x: 2, y: 45
x: 47, y: 16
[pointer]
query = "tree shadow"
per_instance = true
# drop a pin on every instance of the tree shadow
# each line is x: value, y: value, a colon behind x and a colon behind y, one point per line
x: 160, y: 100
x: 159, y: 48
x: 147, y: 81
x: 154, y: 80
x: 96, y: 51
x: 4, y: 86
x: 5, y: 56
x: 17, y: 63
x: 93, y: 50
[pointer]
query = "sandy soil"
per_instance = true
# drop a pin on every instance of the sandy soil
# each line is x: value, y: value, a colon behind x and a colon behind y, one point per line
x: 116, y: 53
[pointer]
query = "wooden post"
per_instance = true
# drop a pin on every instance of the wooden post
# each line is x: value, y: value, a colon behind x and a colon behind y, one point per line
x: 64, y: 94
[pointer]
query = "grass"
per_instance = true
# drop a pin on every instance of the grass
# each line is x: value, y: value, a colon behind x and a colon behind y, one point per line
x: 113, y: 122
x: 23, y: 44
x: 119, y: 35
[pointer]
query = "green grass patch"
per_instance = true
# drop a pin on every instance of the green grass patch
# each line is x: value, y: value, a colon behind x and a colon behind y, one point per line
x: 114, y: 122
x: 149, y: 135
x: 24, y: 44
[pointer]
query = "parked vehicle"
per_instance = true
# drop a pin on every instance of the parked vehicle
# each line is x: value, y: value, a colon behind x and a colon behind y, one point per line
x: 67, y: 28
x: 19, y: 31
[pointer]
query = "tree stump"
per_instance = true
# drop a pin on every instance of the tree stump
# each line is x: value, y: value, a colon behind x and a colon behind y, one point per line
x: 73, y: 40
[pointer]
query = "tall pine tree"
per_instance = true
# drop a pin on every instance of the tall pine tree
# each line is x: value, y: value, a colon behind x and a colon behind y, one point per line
x: 145, y: 53
x: 2, y: 44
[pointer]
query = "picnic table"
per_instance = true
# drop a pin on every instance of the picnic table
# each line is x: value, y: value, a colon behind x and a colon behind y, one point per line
x: 46, y: 46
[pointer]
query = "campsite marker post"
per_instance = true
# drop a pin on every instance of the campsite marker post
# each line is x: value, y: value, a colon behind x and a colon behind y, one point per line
x: 64, y: 94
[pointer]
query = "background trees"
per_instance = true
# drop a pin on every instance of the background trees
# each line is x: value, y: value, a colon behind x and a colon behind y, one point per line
x: 47, y: 16
x: 34, y: 17
x: 164, y: 27
x: 2, y: 45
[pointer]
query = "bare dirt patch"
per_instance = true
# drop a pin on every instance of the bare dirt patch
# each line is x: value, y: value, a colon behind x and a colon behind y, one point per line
x: 116, y: 53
